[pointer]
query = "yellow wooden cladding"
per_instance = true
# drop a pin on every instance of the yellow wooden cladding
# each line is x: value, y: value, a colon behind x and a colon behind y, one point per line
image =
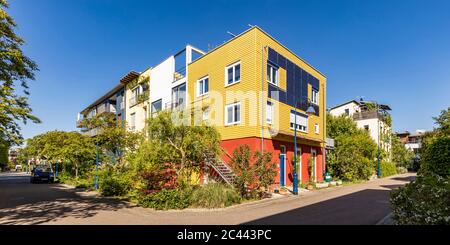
x: 247, y: 48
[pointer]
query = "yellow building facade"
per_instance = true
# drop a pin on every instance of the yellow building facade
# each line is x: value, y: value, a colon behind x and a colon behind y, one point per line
x: 247, y: 89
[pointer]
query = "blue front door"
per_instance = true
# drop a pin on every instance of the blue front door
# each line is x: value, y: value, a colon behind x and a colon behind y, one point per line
x: 282, y: 169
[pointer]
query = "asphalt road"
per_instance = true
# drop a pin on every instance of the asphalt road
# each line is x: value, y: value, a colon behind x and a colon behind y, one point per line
x: 25, y: 203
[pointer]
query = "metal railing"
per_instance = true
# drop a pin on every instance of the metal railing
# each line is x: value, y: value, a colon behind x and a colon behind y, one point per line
x: 134, y: 100
x: 91, y: 132
x: 174, y: 104
x: 366, y: 115
x: 179, y: 74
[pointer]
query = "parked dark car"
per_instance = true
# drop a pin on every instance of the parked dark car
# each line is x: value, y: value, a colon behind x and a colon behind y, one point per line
x: 42, y: 173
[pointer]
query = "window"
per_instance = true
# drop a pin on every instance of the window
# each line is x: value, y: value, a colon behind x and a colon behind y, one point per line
x: 178, y: 96
x: 315, y: 97
x: 202, y: 86
x: 156, y: 106
x: 233, y: 114
x: 366, y: 127
x: 133, y: 121
x: 122, y: 103
x: 347, y: 112
x: 301, y: 120
x: 272, y: 74
x: 269, y: 112
x: 233, y: 74
x: 316, y: 128
x: 205, y: 115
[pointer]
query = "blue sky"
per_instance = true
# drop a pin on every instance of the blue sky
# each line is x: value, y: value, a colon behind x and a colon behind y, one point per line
x: 393, y: 51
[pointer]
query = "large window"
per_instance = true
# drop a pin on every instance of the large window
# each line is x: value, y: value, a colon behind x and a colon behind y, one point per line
x: 233, y: 114
x: 179, y: 96
x: 202, y: 86
x: 269, y: 112
x: 300, y: 121
x: 315, y: 97
x: 272, y: 74
x: 233, y: 73
x: 156, y: 106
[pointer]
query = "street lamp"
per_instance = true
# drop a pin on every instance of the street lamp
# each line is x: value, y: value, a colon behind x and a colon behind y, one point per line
x: 309, y: 111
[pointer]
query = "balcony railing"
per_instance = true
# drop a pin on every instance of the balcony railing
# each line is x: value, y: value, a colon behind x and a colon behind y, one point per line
x: 92, y: 132
x: 139, y: 99
x: 174, y: 104
x: 366, y: 115
x: 179, y: 74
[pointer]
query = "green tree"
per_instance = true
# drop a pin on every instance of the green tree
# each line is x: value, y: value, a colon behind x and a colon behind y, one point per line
x: 65, y: 147
x: 436, y: 158
x: 401, y: 156
x: 3, y: 155
x: 15, y: 70
x: 113, y: 138
x: 255, y: 173
x: 175, y: 141
x: 443, y: 122
x: 426, y: 200
x: 78, y: 149
x: 355, y: 151
x: 240, y: 163
x: 340, y: 125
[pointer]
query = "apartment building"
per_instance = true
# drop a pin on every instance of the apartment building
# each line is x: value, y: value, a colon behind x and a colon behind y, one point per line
x: 257, y: 92
x: 111, y: 102
x: 253, y: 89
x: 376, y: 120
x: 412, y: 141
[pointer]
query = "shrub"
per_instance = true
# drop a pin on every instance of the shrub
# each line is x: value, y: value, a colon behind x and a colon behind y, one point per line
x: 423, y: 202
x: 387, y: 169
x: 214, y: 195
x: 254, y: 172
x: 114, y: 183
x: 166, y: 199
x: 352, y: 158
x: 159, y: 178
x: 436, y: 157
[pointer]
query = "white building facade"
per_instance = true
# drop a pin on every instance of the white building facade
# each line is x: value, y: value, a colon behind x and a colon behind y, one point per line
x: 373, y: 120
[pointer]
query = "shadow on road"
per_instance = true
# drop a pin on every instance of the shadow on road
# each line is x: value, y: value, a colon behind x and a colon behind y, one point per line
x: 362, y: 207
x: 46, y: 203
x: 407, y: 178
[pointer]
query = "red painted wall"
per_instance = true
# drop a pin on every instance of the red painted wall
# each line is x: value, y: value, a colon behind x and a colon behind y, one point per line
x: 275, y: 147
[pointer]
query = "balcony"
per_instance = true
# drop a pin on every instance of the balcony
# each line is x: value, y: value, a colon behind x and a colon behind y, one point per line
x: 366, y: 115
x: 179, y: 74
x: 372, y: 114
x: 175, y: 104
x: 91, y: 133
x: 134, y: 100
